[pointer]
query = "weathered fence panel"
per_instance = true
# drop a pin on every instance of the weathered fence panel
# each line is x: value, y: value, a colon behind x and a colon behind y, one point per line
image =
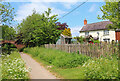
x: 92, y: 50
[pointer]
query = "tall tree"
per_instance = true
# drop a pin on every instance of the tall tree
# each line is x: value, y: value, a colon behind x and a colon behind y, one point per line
x: 111, y: 12
x: 6, y: 12
x: 8, y: 33
x: 67, y: 32
x: 62, y: 26
x: 39, y: 29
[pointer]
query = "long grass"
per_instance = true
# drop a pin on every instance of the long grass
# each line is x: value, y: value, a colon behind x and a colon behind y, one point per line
x: 76, y: 66
x: 57, y: 58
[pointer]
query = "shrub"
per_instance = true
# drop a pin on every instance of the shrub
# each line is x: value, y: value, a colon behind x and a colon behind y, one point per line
x: 8, y: 48
x: 102, y: 68
x: 80, y: 39
x: 96, y: 41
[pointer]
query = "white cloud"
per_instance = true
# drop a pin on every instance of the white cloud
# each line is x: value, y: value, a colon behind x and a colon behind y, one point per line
x: 75, y: 31
x: 92, y: 8
x: 68, y: 5
x: 26, y: 10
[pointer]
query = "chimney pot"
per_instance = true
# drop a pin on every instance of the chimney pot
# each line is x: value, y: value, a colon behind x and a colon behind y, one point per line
x: 85, y: 21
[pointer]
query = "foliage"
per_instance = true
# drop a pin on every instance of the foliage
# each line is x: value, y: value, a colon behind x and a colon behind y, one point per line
x: 6, y: 12
x: 57, y: 58
x: 39, y: 29
x: 8, y: 48
x: 8, y: 33
x: 80, y: 39
x: 13, y: 67
x: 101, y: 68
x: 96, y: 41
x: 19, y: 38
x: 0, y: 33
x: 67, y: 32
x: 111, y: 12
x: 62, y: 26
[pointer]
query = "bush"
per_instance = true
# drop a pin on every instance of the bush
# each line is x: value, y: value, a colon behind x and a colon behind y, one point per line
x: 102, y: 68
x: 57, y: 58
x: 80, y: 39
x: 8, y: 48
x: 13, y: 67
x: 96, y: 41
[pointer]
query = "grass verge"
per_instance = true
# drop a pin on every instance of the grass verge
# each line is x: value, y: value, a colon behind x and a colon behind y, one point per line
x: 73, y: 66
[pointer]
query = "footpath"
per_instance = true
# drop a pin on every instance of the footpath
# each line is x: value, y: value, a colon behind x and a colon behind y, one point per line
x: 37, y: 71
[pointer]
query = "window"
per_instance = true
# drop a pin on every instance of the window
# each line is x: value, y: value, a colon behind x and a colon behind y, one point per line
x: 106, y: 32
x: 86, y: 33
x: 107, y: 39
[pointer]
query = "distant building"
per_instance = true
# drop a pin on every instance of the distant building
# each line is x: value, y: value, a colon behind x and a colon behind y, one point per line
x: 64, y: 39
x: 100, y: 31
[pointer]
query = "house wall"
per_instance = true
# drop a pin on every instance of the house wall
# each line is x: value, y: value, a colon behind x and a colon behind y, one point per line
x: 111, y: 35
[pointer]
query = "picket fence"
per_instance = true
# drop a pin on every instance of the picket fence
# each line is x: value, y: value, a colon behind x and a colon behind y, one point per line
x: 92, y: 50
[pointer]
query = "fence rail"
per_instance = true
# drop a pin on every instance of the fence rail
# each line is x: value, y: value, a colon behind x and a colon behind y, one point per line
x: 92, y: 50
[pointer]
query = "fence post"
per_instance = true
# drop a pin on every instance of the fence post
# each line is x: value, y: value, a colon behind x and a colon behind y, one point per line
x: 79, y: 48
x: 69, y: 48
x: 119, y: 57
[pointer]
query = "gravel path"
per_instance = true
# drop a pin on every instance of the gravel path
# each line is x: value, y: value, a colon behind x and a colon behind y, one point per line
x: 37, y: 71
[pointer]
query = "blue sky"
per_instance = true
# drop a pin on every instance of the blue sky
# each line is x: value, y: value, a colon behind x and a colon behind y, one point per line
x: 75, y: 20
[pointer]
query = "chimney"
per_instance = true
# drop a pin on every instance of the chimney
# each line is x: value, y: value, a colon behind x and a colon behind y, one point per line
x: 85, y: 22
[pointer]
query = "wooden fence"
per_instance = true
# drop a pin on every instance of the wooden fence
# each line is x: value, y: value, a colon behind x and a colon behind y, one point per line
x: 92, y: 50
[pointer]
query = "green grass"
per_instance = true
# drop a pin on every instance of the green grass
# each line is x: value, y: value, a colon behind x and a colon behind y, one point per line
x: 74, y: 66
x: 65, y: 69
x: 57, y: 58
x: 70, y: 73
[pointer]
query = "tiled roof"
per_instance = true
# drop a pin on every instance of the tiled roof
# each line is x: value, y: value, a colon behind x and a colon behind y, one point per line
x: 117, y: 29
x: 95, y: 26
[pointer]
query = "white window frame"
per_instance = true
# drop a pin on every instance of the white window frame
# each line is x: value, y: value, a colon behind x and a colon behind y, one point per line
x: 106, y: 32
x: 86, y: 33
